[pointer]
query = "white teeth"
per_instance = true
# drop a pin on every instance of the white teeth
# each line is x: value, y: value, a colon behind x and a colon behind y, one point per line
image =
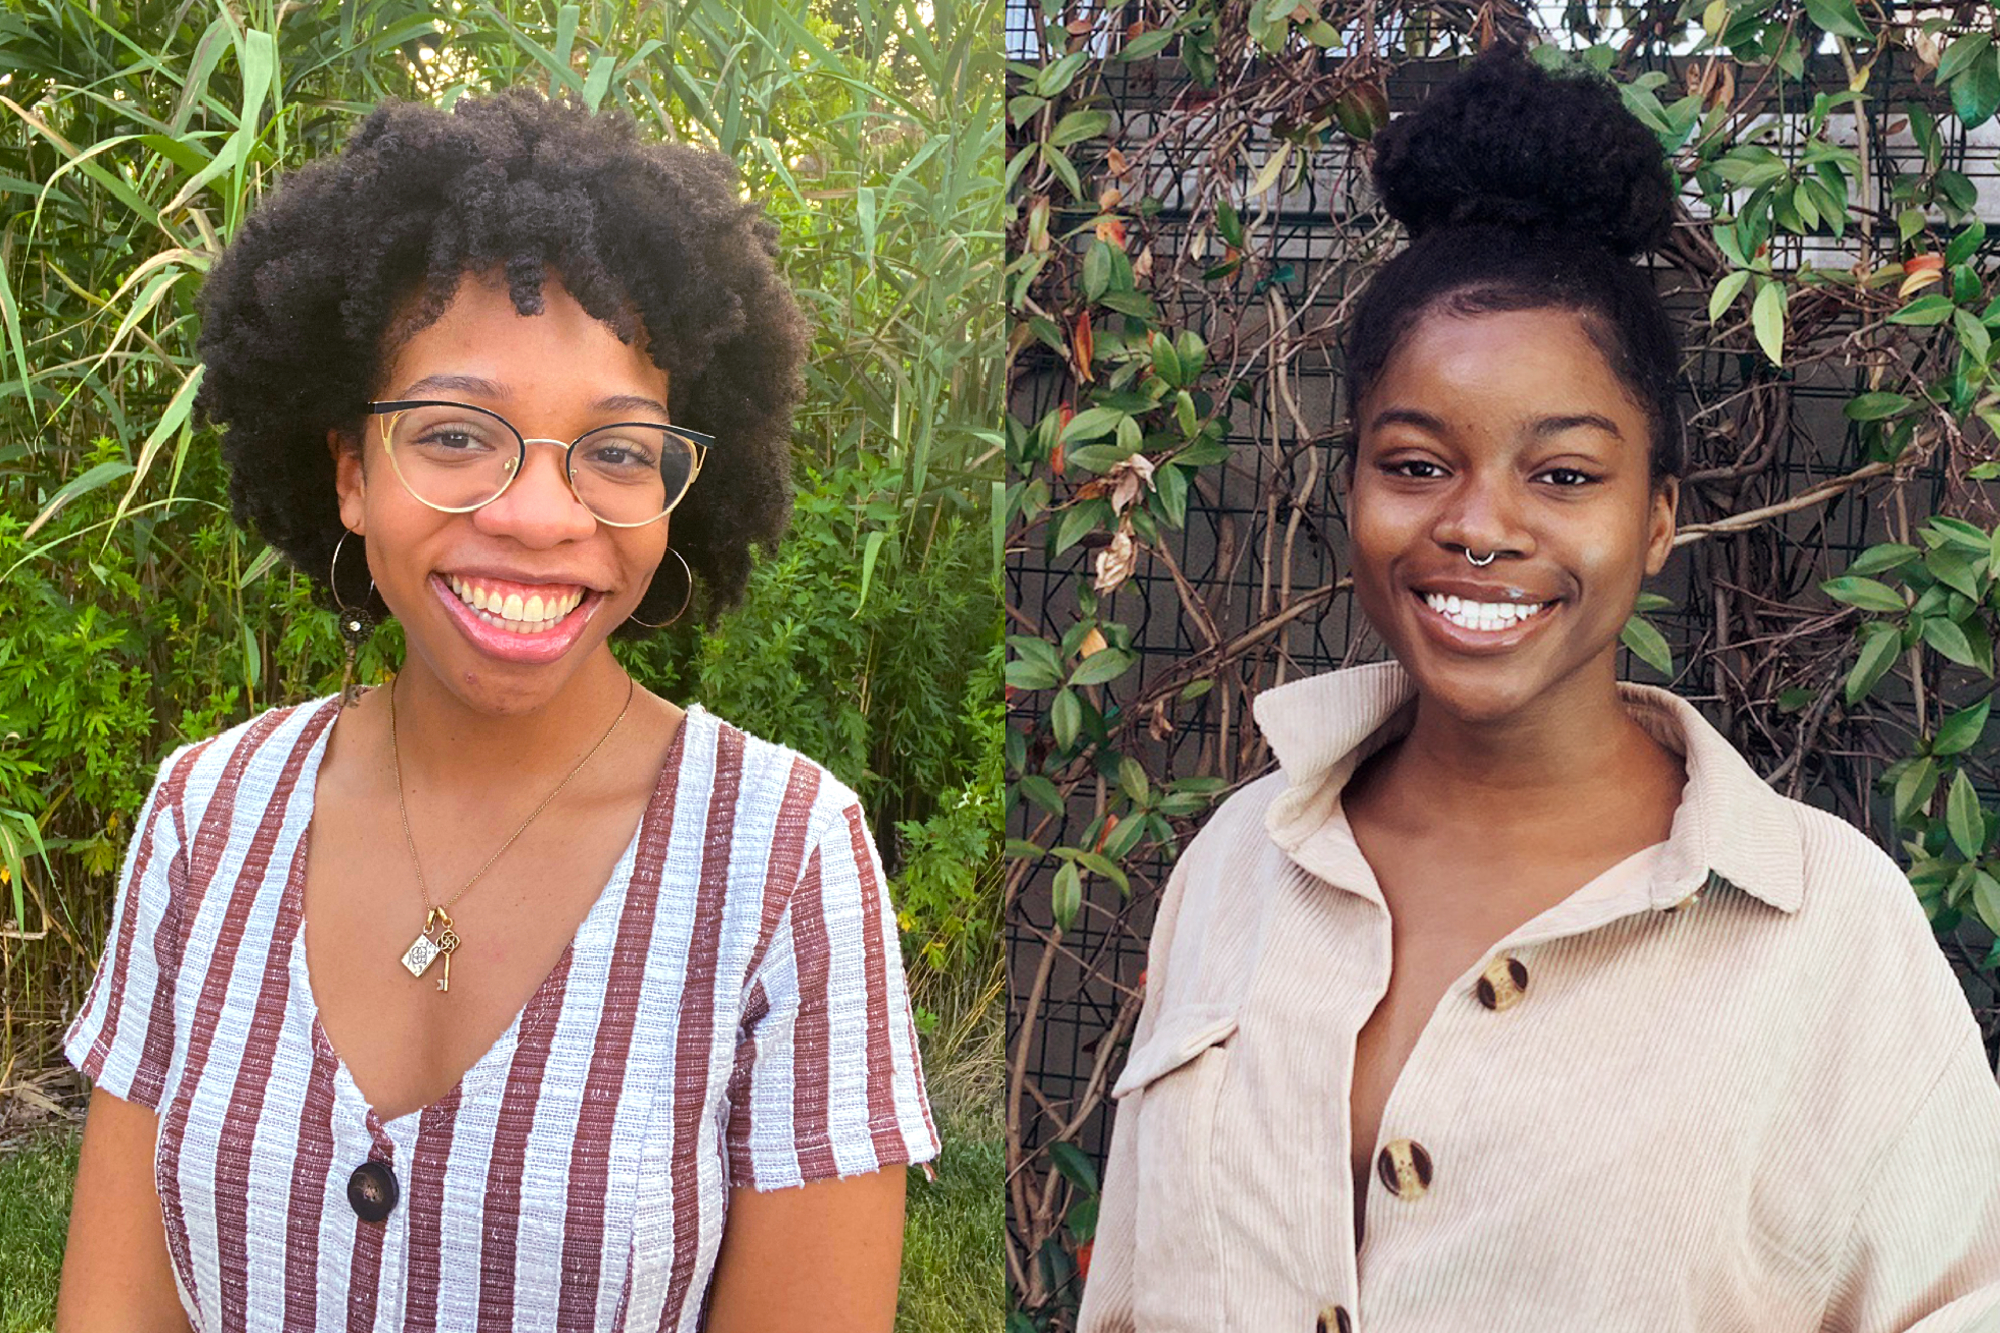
x: 535, y: 615
x: 1482, y: 615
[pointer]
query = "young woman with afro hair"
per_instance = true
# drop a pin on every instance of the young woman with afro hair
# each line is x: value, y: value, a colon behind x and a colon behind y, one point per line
x: 1515, y: 1000
x: 507, y: 995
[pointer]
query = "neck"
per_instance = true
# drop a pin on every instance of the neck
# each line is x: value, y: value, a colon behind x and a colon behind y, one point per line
x: 1558, y: 756
x: 438, y: 733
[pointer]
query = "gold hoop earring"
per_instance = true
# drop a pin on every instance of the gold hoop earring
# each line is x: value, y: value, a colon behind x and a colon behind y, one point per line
x: 689, y: 574
x: 355, y: 624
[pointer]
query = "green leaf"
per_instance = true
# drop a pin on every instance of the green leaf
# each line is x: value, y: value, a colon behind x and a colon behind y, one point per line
x: 1972, y: 335
x: 1767, y: 318
x: 1963, y: 818
x: 1228, y: 224
x: 1132, y: 779
x: 1092, y: 423
x: 1041, y: 791
x: 1065, y: 718
x: 1887, y: 555
x: 1962, y: 53
x: 1963, y: 244
x: 1078, y: 520
x: 1986, y: 901
x: 1647, y: 644
x: 1078, y: 126
x: 1066, y: 894
x: 1074, y: 1166
x: 1955, y: 572
x: 1976, y: 93
x: 1096, y: 272
x: 1930, y: 309
x: 1947, y: 638
x: 1064, y: 169
x: 1875, y: 406
x: 1170, y: 485
x: 1024, y: 675
x: 1839, y: 17
x: 1103, y: 866
x: 1864, y: 593
x: 1726, y: 292
x: 1105, y: 664
x: 1878, y: 653
x: 1914, y: 787
x: 95, y: 478
x: 1961, y: 731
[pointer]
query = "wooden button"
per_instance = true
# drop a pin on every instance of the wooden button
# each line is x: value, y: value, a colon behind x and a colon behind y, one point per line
x: 1334, y: 1319
x: 1503, y: 983
x: 1405, y: 1168
x: 372, y: 1191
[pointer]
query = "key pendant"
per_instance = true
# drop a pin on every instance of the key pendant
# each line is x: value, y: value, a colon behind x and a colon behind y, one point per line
x: 447, y: 944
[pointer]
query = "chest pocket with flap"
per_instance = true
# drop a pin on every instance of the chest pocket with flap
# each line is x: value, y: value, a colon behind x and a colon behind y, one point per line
x: 1178, y: 1073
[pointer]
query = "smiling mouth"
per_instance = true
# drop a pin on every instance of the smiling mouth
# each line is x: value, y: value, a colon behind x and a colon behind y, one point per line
x: 1488, y: 617
x: 535, y: 613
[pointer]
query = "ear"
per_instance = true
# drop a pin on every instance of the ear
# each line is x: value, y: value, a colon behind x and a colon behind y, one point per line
x: 1661, y: 524
x: 350, y: 483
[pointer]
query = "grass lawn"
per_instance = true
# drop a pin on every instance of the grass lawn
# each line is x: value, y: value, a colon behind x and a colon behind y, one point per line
x: 951, y: 1247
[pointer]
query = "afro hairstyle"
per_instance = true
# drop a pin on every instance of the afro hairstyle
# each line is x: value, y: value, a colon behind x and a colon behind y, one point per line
x: 1526, y: 190
x: 301, y: 313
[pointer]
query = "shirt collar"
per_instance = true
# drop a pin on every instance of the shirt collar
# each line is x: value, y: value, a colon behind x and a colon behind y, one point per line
x: 1730, y: 826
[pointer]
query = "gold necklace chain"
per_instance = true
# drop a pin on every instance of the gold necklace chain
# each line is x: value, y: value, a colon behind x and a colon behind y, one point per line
x: 425, y: 949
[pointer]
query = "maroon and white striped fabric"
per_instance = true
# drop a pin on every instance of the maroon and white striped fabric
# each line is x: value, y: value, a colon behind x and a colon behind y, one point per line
x: 731, y: 1012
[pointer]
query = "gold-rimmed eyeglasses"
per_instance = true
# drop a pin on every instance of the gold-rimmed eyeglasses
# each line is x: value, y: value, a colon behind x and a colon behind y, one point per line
x: 456, y: 458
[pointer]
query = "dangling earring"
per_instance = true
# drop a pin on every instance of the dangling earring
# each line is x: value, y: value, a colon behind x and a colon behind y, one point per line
x: 689, y: 574
x: 355, y: 624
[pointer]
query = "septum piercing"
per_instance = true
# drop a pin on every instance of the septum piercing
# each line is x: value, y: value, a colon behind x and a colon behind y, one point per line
x: 1477, y: 561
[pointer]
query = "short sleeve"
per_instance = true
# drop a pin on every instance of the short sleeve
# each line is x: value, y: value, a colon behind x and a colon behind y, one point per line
x: 1924, y: 1252
x: 123, y: 1039
x: 829, y: 1082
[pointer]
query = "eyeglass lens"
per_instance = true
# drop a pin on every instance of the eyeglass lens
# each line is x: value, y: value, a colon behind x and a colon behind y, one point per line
x: 458, y: 458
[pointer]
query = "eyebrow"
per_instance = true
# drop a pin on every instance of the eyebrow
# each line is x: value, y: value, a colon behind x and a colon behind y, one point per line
x: 1540, y: 428
x: 485, y: 388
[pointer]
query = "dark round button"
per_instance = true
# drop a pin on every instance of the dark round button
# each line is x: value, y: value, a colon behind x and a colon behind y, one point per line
x: 372, y: 1191
x: 1503, y: 983
x: 1405, y: 1168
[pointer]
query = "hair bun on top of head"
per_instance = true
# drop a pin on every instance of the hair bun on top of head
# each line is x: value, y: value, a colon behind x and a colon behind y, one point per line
x: 1506, y: 143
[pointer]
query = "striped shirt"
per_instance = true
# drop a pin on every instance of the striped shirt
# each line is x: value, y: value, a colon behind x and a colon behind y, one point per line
x: 731, y: 1012
x: 1731, y: 1086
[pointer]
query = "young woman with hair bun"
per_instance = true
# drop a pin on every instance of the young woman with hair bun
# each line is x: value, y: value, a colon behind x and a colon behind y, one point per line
x: 1515, y: 999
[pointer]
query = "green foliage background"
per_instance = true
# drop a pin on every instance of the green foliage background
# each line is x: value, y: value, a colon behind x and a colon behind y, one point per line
x: 134, y: 138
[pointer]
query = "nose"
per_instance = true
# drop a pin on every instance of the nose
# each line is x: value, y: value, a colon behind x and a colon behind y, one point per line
x: 538, y: 509
x: 1482, y: 515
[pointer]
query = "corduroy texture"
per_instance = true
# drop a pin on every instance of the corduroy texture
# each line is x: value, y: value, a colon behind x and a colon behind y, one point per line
x: 1767, y: 1110
x: 731, y: 1012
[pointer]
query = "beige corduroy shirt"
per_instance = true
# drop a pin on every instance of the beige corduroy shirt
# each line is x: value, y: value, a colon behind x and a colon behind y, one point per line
x: 1732, y: 1087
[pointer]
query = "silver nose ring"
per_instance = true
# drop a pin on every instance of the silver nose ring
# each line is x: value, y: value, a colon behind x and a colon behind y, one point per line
x: 1477, y: 561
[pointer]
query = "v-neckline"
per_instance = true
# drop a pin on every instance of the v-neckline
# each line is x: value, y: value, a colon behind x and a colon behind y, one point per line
x: 610, y: 899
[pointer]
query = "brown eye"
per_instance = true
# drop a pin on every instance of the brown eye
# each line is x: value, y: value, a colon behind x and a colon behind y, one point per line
x: 1568, y: 478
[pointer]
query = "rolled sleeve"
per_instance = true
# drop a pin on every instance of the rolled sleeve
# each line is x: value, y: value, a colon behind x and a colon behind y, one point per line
x: 122, y: 1039
x: 1924, y: 1252
x: 834, y: 1085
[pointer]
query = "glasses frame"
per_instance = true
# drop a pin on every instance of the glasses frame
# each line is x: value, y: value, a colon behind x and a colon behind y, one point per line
x: 701, y: 444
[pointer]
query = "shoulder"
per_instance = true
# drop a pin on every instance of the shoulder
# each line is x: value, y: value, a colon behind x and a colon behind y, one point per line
x: 1867, y: 935
x: 1238, y: 827
x: 766, y: 782
x: 257, y: 751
